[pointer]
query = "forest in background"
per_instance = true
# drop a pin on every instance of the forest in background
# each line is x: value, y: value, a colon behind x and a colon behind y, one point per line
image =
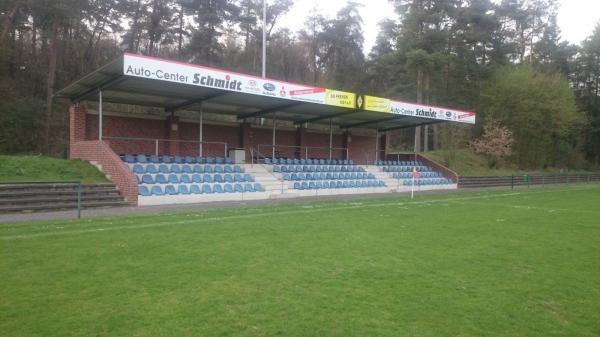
x: 504, y: 59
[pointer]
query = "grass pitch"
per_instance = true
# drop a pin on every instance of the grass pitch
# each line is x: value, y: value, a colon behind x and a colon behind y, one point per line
x: 524, y: 263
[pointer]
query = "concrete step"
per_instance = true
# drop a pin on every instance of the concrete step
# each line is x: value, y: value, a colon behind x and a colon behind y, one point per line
x: 59, y: 206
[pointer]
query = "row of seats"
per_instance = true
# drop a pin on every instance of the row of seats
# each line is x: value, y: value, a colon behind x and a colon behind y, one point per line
x: 405, y: 168
x: 284, y: 161
x: 316, y: 185
x: 157, y: 190
x: 196, y: 178
x: 328, y: 176
x: 185, y: 168
x: 422, y: 182
x: 143, y: 159
x: 404, y: 175
x: 398, y: 163
x: 317, y: 168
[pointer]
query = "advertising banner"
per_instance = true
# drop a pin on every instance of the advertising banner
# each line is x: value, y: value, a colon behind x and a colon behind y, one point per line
x: 162, y: 70
x: 340, y: 98
x: 372, y: 103
x: 425, y: 111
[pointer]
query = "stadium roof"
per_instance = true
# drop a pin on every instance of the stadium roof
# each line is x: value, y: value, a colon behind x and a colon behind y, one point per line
x: 154, y: 82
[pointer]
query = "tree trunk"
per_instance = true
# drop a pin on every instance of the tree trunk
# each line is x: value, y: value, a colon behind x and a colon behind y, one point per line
x: 52, y: 56
x: 420, y: 101
x: 8, y: 22
x: 180, y: 37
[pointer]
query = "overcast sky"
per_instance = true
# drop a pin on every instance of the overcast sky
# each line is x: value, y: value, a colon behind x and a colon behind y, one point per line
x: 577, y: 18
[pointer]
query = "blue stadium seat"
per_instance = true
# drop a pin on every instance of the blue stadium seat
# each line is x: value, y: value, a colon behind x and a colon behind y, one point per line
x: 304, y: 185
x: 129, y: 159
x: 177, y: 159
x: 207, y: 189
x: 276, y: 168
x: 346, y: 184
x: 143, y: 191
x: 218, y: 188
x: 248, y: 187
x: 210, y: 160
x: 141, y: 158
x: 208, y: 169
x: 318, y: 185
x: 198, y: 169
x: 219, y: 160
x: 190, y: 159
x: 228, y: 188
x: 185, y: 179
x: 164, y: 169
x: 186, y: 169
x: 239, y: 188
x: 182, y: 189
x: 274, y: 161
x: 248, y: 178
x: 237, y: 169
x: 160, y: 179
x: 157, y: 190
x: 228, y: 160
x: 287, y: 176
x: 138, y: 169
x: 170, y: 190
x: 154, y: 159
x: 311, y: 185
x: 151, y: 168
x: 195, y: 189
x: 218, y: 178
x: 175, y: 168
x: 166, y: 159
x: 196, y: 178
x: 200, y: 160
x: 284, y: 169
x: 297, y: 186
x: 268, y: 161
x: 147, y: 179
x: 228, y: 178
x: 228, y: 169
x: 208, y: 178
x: 258, y: 187
x: 325, y: 184
x: 238, y: 178
x: 173, y: 179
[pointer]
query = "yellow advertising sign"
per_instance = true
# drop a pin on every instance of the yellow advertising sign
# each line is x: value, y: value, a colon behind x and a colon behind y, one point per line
x: 340, y: 98
x: 377, y: 104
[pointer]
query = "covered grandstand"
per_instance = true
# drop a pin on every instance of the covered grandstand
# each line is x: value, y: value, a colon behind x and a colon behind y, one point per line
x: 171, y: 132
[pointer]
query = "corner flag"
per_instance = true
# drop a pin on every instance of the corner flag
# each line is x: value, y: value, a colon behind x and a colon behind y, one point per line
x: 415, y: 175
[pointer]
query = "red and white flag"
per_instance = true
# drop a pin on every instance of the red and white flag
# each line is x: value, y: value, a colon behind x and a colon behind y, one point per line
x: 416, y: 173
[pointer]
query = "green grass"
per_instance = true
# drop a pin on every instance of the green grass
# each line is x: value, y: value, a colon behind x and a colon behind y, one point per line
x: 523, y: 263
x: 42, y: 168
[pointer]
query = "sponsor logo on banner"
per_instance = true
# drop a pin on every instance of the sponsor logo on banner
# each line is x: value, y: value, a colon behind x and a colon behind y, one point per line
x: 360, y: 102
x: 269, y: 86
x: 340, y: 98
x: 377, y: 104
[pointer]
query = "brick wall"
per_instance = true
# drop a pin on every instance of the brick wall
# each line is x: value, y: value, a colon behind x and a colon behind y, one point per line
x: 362, y: 149
x: 114, y: 168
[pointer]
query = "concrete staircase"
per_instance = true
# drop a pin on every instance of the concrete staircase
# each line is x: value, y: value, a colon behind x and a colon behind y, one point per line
x: 390, y: 183
x: 273, y: 184
x: 56, y: 196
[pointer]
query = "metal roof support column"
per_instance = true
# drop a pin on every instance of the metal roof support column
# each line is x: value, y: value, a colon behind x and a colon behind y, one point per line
x: 100, y: 117
x: 274, y: 130
x: 377, y: 146
x: 330, y: 136
x: 200, y: 127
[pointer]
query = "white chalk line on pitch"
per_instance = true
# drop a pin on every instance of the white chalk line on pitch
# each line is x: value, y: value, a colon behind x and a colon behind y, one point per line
x: 355, y: 205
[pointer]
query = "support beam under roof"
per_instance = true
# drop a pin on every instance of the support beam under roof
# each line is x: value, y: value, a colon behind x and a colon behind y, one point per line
x: 104, y: 86
x: 195, y: 101
x: 268, y: 111
x: 315, y: 119
x: 410, y: 125
x: 388, y: 119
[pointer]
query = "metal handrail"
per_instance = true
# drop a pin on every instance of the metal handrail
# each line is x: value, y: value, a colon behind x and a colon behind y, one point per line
x: 306, y: 148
